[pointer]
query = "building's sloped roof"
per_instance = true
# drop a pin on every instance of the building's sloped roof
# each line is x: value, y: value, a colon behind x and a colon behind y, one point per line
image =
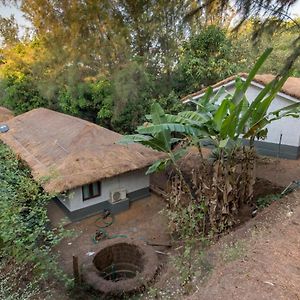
x: 5, y: 114
x: 65, y: 152
x: 290, y: 88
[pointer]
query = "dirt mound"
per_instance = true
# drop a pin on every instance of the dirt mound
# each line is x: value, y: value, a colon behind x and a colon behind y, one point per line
x: 267, y: 263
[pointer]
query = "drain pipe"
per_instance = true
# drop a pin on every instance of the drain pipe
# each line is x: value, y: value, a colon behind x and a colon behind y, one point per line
x: 296, y: 184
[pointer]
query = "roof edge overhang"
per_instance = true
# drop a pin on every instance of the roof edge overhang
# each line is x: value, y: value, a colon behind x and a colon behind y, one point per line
x: 231, y: 83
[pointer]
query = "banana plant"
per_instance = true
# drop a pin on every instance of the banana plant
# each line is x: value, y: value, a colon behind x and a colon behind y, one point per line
x: 224, y: 119
x: 224, y: 122
x: 158, y: 135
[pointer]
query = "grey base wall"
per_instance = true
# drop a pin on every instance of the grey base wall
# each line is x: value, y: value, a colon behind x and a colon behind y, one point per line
x: 272, y: 149
x: 123, y: 205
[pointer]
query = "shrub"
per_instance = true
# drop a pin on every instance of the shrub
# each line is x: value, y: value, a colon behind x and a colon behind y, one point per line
x: 20, y: 94
x: 14, y: 283
x: 25, y: 232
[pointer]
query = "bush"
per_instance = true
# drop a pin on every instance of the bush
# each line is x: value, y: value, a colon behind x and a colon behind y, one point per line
x: 267, y: 200
x: 25, y: 232
x: 20, y: 94
x: 86, y: 99
x: 206, y: 58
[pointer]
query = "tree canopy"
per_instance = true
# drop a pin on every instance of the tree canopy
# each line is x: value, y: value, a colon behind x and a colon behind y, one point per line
x: 106, y: 61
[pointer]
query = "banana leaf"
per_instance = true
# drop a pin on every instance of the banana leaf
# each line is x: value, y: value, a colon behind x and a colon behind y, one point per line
x: 158, y: 117
x: 171, y: 127
x: 241, y: 90
x: 262, y: 109
x: 159, y: 165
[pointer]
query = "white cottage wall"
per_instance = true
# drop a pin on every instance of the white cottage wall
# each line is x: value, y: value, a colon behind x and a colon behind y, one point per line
x: 65, y: 200
x: 131, y: 182
x: 289, y: 127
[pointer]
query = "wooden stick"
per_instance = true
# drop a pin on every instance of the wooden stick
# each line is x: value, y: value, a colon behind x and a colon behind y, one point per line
x: 160, y: 252
x: 76, y: 271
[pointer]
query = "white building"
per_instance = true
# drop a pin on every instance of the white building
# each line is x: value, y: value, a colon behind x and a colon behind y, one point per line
x: 283, y: 138
x: 80, y: 162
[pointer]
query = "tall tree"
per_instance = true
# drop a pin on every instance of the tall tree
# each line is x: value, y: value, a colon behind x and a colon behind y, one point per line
x: 271, y: 12
x: 9, y: 31
x: 206, y: 58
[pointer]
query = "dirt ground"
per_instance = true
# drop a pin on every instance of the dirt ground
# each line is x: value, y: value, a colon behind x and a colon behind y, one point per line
x: 279, y: 171
x: 143, y: 221
x: 261, y: 258
x: 258, y: 260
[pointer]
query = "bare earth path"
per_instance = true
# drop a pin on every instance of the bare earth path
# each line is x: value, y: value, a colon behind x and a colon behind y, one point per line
x: 260, y: 260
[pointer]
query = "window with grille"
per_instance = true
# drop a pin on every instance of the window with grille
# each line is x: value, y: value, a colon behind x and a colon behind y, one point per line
x: 91, y: 190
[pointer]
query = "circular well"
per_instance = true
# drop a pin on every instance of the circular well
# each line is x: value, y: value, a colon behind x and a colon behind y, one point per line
x: 119, y: 261
x: 121, y: 265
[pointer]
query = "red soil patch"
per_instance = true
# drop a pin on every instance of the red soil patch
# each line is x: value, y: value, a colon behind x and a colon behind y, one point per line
x: 269, y: 266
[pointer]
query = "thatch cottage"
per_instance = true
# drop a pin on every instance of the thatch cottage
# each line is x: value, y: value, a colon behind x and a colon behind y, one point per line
x: 80, y: 161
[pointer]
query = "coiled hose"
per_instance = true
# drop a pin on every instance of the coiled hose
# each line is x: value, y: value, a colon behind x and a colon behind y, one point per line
x: 104, y: 221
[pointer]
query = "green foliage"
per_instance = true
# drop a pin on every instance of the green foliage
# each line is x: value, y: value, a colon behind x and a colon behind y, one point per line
x: 156, y: 135
x: 225, y: 123
x: 267, y: 200
x: 113, y: 80
x: 282, y: 40
x: 87, y: 100
x: 25, y: 232
x: 207, y: 57
x: 191, y: 262
x: 144, y: 51
x: 171, y: 103
x: 20, y: 93
x: 132, y: 87
x: 187, y: 221
x: 222, y: 121
x: 132, y: 115
x: 234, y: 251
x: 9, y: 30
x: 184, y: 263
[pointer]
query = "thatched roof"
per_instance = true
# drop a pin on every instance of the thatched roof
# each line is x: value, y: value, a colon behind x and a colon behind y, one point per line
x: 5, y: 114
x: 68, y: 152
x: 291, y: 86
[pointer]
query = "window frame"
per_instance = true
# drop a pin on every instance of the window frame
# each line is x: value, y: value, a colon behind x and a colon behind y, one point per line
x: 90, y: 185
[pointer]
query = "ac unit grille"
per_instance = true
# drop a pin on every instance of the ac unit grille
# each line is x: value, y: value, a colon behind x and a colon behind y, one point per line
x: 117, y: 196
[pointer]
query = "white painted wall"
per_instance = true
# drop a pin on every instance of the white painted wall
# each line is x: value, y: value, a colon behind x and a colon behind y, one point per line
x: 131, y: 182
x: 288, y: 127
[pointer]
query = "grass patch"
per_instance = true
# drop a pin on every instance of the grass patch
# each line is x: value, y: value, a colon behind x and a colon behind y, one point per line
x: 265, y: 201
x: 234, y: 251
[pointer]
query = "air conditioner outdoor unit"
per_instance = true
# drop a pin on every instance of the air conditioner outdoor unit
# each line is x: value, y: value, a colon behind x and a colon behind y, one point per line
x: 117, y: 196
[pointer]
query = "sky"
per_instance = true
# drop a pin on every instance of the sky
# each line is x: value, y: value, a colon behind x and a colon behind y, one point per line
x: 6, y: 11
x: 296, y: 9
